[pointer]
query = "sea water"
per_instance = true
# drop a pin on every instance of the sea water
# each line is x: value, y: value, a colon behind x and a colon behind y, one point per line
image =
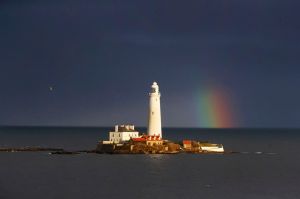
x: 268, y: 166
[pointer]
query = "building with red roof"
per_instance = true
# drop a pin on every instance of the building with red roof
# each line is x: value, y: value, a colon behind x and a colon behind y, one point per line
x: 187, y: 144
x: 149, y: 140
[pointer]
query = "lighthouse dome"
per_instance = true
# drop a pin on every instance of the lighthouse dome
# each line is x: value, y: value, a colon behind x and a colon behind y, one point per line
x: 154, y: 85
x: 154, y: 88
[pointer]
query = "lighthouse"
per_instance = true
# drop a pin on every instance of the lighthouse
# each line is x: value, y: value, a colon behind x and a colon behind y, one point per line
x: 154, y: 122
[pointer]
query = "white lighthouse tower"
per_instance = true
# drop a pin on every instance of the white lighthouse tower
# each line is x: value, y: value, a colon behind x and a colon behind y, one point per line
x: 154, y: 123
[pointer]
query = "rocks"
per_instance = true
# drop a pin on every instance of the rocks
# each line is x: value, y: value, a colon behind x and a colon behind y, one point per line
x: 32, y: 149
x: 65, y: 153
x: 138, y: 148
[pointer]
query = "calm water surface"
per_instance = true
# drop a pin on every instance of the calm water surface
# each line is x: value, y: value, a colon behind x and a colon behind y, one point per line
x: 274, y: 173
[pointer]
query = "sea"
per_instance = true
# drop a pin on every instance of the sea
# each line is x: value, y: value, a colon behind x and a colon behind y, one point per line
x: 267, y: 166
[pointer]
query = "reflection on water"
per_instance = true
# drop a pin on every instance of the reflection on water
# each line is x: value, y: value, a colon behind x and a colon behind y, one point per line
x: 157, y: 157
x: 155, y: 163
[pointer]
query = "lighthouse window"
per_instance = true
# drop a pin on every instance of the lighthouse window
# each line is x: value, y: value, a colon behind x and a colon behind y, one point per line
x: 152, y: 113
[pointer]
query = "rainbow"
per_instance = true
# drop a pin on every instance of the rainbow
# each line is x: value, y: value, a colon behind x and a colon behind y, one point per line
x: 214, y: 109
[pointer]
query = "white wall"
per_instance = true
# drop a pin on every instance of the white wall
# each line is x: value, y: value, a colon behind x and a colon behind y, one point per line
x: 118, y: 137
x: 212, y: 148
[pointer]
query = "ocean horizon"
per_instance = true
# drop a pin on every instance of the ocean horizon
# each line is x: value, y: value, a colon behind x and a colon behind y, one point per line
x: 267, y: 166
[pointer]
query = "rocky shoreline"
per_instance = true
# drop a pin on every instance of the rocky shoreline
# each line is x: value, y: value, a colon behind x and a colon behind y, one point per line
x: 29, y: 149
x: 167, y: 147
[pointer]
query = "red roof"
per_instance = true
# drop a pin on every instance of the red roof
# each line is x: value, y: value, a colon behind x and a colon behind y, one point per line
x: 152, y: 137
x: 147, y: 138
x: 139, y: 139
x: 187, y: 142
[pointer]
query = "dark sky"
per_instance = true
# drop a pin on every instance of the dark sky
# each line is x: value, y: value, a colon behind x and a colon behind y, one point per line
x: 101, y: 57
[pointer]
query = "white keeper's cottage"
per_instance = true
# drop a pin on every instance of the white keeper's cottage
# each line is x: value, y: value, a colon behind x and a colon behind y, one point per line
x: 123, y: 133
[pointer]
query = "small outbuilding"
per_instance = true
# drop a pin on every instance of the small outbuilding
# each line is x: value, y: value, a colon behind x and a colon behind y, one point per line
x: 187, y: 144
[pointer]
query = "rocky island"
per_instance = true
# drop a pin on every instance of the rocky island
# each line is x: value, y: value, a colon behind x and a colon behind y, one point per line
x: 167, y: 147
x: 126, y: 140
